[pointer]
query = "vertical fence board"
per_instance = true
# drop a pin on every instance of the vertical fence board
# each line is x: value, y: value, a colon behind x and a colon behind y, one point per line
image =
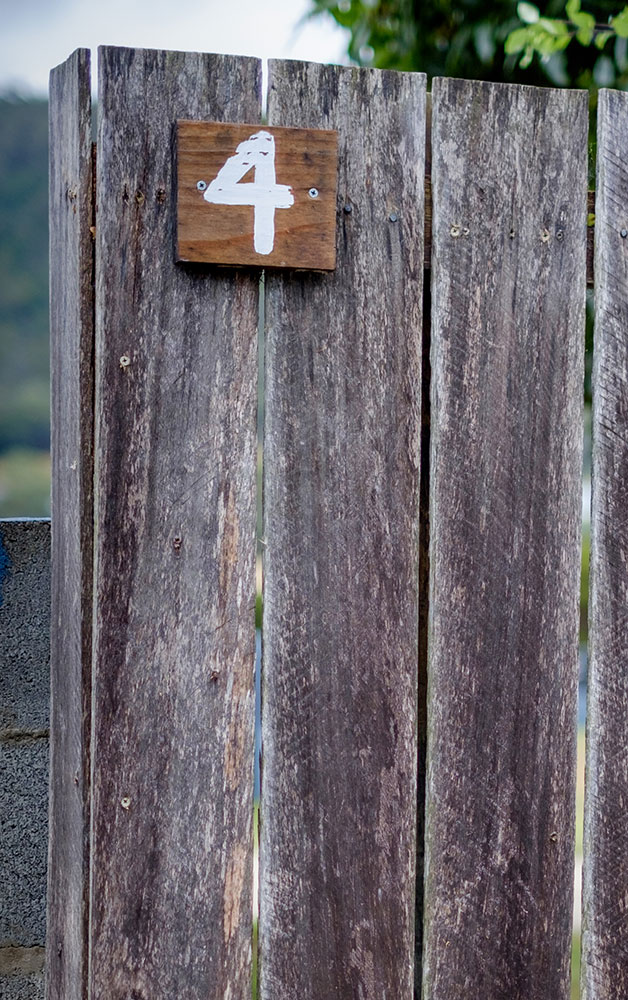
x: 605, y: 912
x: 175, y: 557
x: 509, y: 179
x: 339, y: 716
x: 71, y: 343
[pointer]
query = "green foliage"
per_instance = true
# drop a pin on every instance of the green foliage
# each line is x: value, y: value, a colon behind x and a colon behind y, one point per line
x: 24, y: 380
x: 24, y: 483
x: 489, y: 39
x: 543, y: 36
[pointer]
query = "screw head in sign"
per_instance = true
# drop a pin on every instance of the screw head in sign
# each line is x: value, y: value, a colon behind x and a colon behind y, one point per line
x: 313, y: 192
x: 624, y: 233
x: 201, y: 185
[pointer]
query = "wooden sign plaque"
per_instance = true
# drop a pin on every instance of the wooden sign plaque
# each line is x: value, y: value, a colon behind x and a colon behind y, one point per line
x: 256, y: 195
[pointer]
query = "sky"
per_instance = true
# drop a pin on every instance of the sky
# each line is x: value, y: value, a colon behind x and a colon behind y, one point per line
x: 38, y: 34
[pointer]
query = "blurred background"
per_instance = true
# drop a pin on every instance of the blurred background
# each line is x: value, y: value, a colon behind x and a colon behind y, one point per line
x: 465, y: 38
x: 37, y: 35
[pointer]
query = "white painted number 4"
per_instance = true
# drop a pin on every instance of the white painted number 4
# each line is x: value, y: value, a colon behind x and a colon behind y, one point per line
x: 264, y: 194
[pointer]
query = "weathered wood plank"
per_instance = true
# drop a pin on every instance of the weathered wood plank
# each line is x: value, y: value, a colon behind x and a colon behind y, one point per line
x: 71, y: 344
x: 175, y: 456
x: 424, y: 581
x: 605, y: 916
x: 341, y: 482
x: 509, y: 178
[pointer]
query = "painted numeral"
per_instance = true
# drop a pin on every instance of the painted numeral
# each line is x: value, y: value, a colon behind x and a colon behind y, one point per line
x: 264, y: 194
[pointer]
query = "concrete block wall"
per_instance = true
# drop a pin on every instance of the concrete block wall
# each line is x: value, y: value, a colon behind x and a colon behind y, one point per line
x: 24, y: 704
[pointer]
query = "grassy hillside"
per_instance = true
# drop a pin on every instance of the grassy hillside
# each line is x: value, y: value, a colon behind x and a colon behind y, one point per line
x: 24, y: 377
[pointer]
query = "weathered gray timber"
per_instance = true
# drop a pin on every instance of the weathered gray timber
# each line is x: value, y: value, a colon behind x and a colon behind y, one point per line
x: 24, y: 702
x: 71, y: 345
x: 605, y: 917
x: 509, y: 177
x: 176, y: 370
x: 341, y: 499
x: 424, y: 574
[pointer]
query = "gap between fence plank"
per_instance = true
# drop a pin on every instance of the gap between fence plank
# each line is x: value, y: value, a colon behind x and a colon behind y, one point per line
x: 605, y: 918
x: 508, y: 305
x: 341, y: 514
x: 176, y: 369
x: 71, y: 344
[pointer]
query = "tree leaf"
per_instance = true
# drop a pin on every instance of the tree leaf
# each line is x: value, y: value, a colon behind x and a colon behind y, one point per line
x: 527, y: 12
x: 583, y: 20
x: 517, y: 40
x: 584, y: 35
x: 526, y: 58
x: 619, y: 23
x: 552, y: 26
x: 604, y: 72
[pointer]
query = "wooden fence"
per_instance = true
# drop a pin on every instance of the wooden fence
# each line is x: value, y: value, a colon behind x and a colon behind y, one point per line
x: 421, y: 550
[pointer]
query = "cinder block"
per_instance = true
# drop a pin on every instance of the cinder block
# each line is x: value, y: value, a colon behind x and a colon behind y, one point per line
x: 23, y: 841
x: 24, y: 714
x: 24, y: 625
x: 22, y: 987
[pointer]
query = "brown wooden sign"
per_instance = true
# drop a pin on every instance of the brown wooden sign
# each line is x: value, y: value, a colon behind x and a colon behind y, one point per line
x: 252, y: 195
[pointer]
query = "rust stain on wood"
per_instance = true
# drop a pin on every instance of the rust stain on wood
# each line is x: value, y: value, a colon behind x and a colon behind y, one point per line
x: 229, y: 529
x: 234, y: 883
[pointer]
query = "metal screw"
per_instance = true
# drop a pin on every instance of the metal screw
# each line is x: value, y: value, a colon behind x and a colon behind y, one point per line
x: 624, y: 233
x: 348, y: 209
x: 545, y: 236
x: 393, y: 216
x: 201, y: 185
x: 455, y: 230
x: 313, y: 192
x: 560, y: 236
x: 125, y: 802
x: 125, y: 361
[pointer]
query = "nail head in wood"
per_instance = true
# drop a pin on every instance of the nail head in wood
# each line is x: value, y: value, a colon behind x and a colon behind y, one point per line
x: 256, y: 196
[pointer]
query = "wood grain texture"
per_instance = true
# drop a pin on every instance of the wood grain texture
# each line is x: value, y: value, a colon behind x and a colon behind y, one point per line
x: 605, y: 916
x: 176, y: 368
x: 424, y: 581
x: 71, y: 343
x: 341, y: 499
x: 305, y: 234
x: 509, y: 178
